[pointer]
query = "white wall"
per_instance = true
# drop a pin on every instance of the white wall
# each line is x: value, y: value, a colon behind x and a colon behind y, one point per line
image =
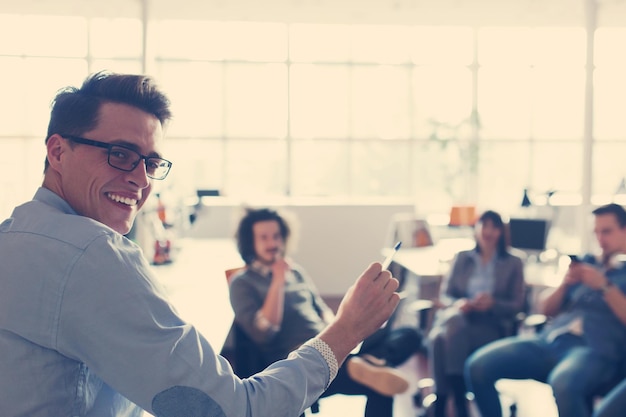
x: 334, y: 243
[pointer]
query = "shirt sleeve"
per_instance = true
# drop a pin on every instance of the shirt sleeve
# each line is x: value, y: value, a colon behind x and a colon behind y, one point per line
x: 115, y: 320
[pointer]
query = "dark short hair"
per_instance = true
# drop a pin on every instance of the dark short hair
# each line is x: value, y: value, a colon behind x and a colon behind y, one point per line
x: 245, y: 232
x: 496, y: 220
x: 614, y: 209
x: 75, y: 111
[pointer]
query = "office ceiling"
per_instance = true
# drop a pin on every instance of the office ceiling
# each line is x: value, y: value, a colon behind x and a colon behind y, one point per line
x: 438, y: 12
x: 389, y: 11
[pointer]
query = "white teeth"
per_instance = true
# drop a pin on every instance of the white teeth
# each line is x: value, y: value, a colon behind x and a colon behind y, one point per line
x: 124, y: 200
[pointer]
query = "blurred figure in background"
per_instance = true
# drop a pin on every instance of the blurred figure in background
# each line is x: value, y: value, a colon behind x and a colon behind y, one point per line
x: 580, y: 350
x: 480, y: 299
x: 278, y: 306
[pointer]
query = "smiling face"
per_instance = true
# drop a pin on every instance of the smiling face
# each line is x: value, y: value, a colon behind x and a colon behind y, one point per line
x: 81, y: 175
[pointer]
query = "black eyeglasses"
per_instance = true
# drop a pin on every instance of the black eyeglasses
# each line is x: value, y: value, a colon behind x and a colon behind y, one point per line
x: 127, y: 159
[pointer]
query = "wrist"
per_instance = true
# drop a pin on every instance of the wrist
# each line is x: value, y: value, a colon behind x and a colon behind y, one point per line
x: 264, y: 324
x: 340, y: 339
x: 327, y: 353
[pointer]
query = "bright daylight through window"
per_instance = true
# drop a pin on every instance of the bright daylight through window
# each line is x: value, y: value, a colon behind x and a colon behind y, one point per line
x: 435, y: 113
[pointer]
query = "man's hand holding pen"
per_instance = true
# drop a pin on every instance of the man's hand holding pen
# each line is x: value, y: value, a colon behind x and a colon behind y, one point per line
x: 367, y: 304
x: 370, y: 301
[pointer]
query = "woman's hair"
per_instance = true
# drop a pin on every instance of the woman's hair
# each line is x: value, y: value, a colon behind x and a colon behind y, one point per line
x: 496, y: 221
x: 245, y: 232
x: 76, y: 110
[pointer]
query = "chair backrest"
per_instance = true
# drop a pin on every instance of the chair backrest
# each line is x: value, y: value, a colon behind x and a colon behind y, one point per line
x: 245, y: 357
x: 230, y: 273
x: 462, y: 216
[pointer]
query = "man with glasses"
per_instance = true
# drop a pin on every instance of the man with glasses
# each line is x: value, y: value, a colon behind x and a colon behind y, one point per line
x: 125, y: 158
x: 84, y: 331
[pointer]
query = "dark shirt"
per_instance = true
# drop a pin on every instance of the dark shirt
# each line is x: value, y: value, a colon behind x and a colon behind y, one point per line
x: 302, y: 316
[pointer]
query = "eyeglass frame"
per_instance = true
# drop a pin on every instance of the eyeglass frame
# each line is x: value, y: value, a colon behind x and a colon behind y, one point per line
x: 109, y: 147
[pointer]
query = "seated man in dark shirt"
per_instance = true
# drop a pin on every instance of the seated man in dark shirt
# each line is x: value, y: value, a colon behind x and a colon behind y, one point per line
x: 279, y: 308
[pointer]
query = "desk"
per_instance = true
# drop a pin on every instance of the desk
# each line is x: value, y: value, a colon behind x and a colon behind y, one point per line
x: 430, y: 262
x: 196, y: 285
x: 428, y: 265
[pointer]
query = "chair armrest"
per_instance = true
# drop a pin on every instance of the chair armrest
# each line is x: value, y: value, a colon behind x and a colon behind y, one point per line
x: 421, y: 305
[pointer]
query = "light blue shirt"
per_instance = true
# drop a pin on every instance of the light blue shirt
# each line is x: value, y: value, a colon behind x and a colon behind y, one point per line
x: 86, y: 331
x: 601, y: 329
x: 483, y: 277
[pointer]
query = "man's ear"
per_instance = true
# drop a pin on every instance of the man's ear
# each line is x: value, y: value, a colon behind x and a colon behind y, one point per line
x: 55, y: 146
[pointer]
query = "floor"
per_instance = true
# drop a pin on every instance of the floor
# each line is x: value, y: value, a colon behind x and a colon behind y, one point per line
x: 533, y: 399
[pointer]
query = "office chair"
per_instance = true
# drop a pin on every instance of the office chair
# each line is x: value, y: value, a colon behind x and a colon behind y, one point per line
x: 245, y: 356
x: 414, y: 232
x: 424, y: 397
x: 462, y: 216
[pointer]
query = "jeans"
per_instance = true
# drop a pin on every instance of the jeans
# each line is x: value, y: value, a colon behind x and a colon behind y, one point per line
x: 573, y: 370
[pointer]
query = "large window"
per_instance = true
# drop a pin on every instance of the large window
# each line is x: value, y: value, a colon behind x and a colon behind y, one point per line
x: 438, y: 114
x: 609, y: 112
x: 44, y: 54
x: 435, y: 114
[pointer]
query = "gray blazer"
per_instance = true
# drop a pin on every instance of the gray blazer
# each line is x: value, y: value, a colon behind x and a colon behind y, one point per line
x: 509, y: 288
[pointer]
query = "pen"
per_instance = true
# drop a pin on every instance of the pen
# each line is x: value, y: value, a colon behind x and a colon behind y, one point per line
x: 389, y: 258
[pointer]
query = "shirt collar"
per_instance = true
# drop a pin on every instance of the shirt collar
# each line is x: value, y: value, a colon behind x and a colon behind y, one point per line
x: 261, y: 268
x: 50, y: 198
x: 477, y: 257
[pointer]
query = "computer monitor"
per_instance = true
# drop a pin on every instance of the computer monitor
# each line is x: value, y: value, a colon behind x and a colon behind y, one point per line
x: 529, y: 234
